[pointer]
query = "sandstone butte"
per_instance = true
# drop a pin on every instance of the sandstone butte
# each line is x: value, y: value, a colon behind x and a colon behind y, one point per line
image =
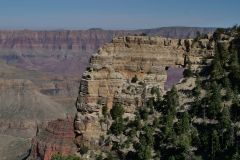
x: 108, y: 80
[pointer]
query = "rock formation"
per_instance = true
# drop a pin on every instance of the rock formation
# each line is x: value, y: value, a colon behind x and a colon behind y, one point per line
x: 125, y: 71
x: 57, y: 137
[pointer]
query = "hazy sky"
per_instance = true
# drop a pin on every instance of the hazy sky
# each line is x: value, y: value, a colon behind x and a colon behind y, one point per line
x: 117, y: 14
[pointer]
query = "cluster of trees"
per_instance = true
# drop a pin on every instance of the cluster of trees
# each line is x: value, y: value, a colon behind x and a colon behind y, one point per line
x: 158, y: 130
x: 218, y: 106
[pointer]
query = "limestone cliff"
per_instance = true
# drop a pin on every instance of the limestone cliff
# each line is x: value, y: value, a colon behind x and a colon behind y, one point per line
x: 124, y: 71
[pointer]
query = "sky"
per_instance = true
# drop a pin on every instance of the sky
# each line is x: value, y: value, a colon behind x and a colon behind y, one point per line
x: 117, y: 14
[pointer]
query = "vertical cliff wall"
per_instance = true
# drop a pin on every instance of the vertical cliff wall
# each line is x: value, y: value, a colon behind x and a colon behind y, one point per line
x: 110, y: 77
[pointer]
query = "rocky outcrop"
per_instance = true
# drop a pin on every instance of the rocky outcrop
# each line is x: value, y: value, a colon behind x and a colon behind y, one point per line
x: 125, y: 71
x: 57, y: 137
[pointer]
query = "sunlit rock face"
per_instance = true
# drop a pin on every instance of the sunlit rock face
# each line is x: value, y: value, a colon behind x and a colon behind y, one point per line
x: 125, y: 71
x: 109, y: 78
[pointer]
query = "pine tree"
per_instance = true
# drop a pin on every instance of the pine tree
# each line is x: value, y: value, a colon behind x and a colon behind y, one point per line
x: 117, y: 127
x: 185, y: 123
x: 148, y: 133
x: 195, y: 137
x: 223, y: 53
x: 215, y: 100
x: 184, y: 142
x: 215, y: 145
x: 228, y: 87
x: 117, y: 111
x: 143, y: 148
x: 117, y: 115
x: 217, y: 71
x: 225, y: 120
x: 197, y: 89
x: 169, y: 124
x: 234, y: 61
x: 172, y: 100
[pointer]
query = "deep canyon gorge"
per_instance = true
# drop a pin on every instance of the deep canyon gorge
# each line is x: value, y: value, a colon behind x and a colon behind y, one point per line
x: 42, y: 74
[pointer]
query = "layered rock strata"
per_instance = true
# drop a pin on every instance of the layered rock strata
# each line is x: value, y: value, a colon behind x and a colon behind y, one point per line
x: 125, y: 71
x: 57, y: 137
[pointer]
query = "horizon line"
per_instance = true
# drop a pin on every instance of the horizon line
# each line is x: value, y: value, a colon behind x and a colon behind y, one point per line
x: 97, y: 28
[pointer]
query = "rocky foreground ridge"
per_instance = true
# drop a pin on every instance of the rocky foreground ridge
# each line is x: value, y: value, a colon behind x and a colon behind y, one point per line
x: 125, y: 71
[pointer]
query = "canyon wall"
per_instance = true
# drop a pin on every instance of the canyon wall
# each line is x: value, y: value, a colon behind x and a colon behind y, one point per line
x: 125, y: 71
x: 84, y: 40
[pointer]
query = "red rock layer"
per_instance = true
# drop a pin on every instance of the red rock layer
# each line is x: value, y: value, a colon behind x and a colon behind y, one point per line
x: 57, y: 137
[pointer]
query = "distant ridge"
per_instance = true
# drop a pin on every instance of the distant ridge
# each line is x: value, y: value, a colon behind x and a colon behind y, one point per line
x: 178, y: 32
